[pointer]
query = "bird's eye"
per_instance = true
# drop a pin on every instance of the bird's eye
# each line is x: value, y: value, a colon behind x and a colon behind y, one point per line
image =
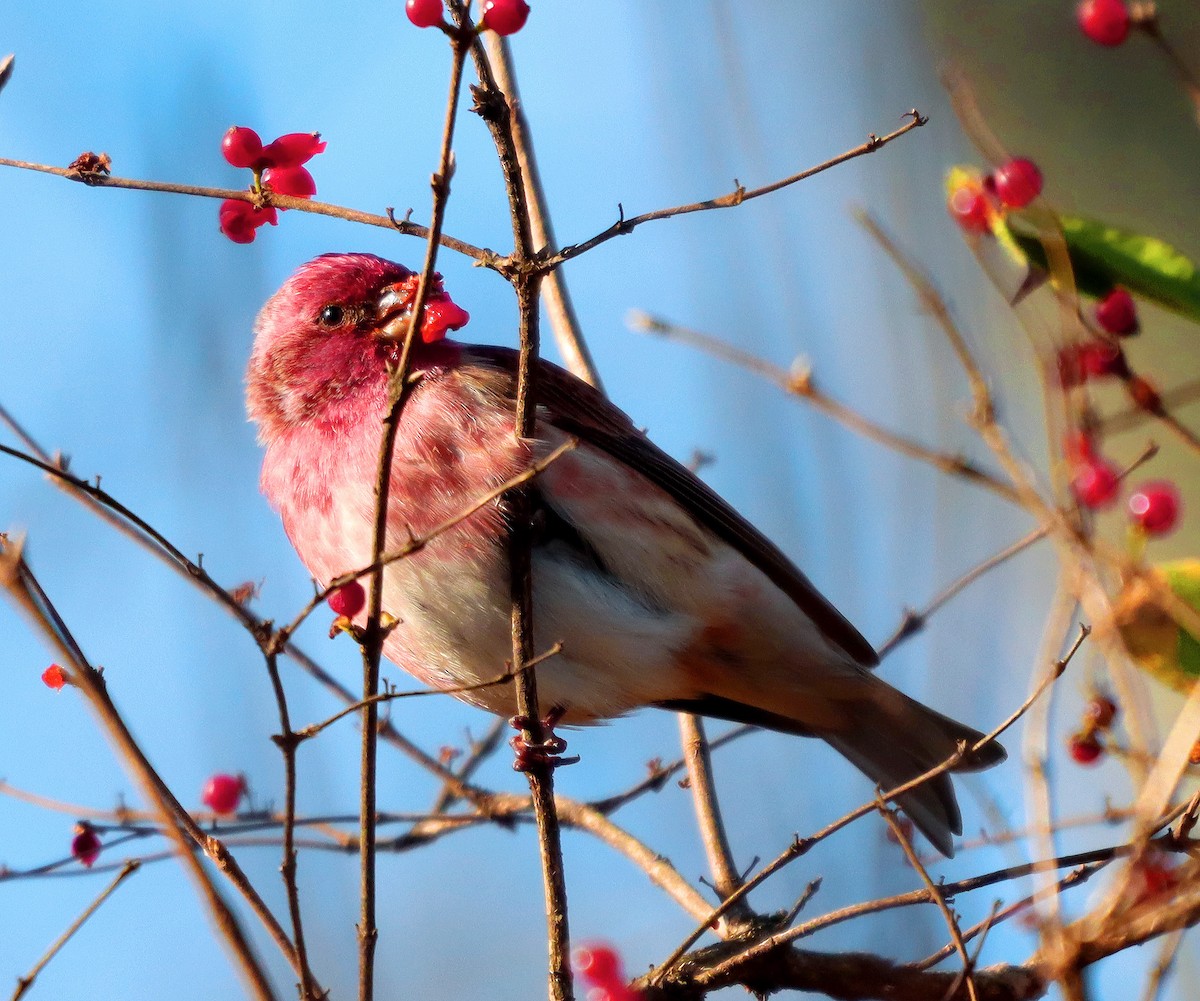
x: 332, y: 316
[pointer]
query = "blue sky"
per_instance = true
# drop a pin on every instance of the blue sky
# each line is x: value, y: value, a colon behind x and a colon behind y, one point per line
x: 127, y: 329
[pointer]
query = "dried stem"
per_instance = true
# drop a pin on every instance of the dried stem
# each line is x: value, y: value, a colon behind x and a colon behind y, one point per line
x: 726, y: 877
x: 496, y: 109
x: 25, y: 982
x: 374, y: 632
x: 802, y: 384
x: 25, y: 591
x: 559, y: 309
x: 485, y: 258
x: 736, y: 197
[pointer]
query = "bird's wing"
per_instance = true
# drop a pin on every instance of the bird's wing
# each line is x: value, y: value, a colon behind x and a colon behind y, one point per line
x: 573, y: 406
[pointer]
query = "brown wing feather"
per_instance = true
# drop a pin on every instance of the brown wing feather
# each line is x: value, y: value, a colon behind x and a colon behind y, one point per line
x: 577, y: 408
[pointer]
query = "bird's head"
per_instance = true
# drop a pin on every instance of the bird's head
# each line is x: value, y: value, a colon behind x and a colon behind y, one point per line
x: 327, y: 334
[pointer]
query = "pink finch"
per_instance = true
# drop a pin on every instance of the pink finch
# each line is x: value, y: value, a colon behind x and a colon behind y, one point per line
x: 660, y: 593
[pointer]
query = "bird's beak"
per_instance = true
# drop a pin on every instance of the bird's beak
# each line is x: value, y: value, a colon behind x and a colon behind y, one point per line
x: 393, y: 312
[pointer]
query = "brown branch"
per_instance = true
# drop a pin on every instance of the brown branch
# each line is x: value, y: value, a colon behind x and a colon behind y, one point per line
x: 801, y: 384
x: 736, y: 197
x: 25, y: 982
x: 726, y: 877
x: 937, y: 894
x: 559, y: 309
x: 374, y: 633
x: 913, y: 621
x: 496, y: 109
x: 25, y: 591
x: 485, y: 258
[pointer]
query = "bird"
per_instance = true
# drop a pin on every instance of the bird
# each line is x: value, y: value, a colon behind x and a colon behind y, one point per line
x: 659, y: 592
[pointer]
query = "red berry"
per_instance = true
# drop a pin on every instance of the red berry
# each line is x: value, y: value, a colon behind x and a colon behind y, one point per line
x: 442, y: 314
x: 1154, y: 507
x: 969, y: 207
x: 85, y: 846
x: 1117, y: 314
x: 293, y: 149
x: 1085, y: 748
x: 1101, y: 711
x: 1158, y: 878
x: 1103, y: 358
x: 54, y: 677
x: 598, y: 964
x: 223, y: 792
x: 242, y: 146
x: 239, y: 219
x: 295, y: 181
x: 1105, y: 22
x: 424, y: 13
x: 1018, y: 182
x: 505, y: 17
x: 1095, y: 484
x: 348, y: 600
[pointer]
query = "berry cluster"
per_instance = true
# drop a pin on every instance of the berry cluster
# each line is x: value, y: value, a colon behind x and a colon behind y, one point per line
x: 975, y: 202
x: 1086, y: 744
x: 222, y: 793
x: 504, y: 17
x: 600, y: 966
x: 278, y: 166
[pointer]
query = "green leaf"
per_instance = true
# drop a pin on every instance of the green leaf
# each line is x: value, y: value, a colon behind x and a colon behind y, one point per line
x: 1103, y: 256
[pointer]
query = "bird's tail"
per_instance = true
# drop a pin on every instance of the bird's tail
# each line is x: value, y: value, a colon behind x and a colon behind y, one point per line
x: 895, y: 739
x: 889, y: 737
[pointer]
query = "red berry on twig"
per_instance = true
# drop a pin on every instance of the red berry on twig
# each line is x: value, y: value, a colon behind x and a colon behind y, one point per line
x: 348, y: 600
x: 1017, y: 182
x: 54, y: 677
x: 239, y: 220
x: 505, y: 17
x: 294, y: 181
x: 424, y: 13
x: 1105, y: 22
x: 1117, y: 314
x: 597, y: 964
x: 1154, y: 507
x: 1095, y: 484
x: 293, y: 149
x: 1085, y: 748
x: 85, y: 846
x: 1101, y: 711
x: 969, y: 206
x: 222, y: 793
x: 241, y: 146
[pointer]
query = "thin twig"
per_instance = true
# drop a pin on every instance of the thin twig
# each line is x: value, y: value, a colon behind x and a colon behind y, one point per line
x: 374, y: 632
x: 25, y: 982
x: 496, y: 109
x: 937, y: 894
x: 95, y: 180
x: 913, y: 621
x: 25, y: 591
x: 802, y: 385
x: 726, y: 877
x: 559, y: 309
x: 736, y: 197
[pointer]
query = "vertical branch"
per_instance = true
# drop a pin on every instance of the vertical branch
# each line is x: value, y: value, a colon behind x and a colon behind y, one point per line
x: 288, y: 742
x: 496, y: 109
x: 559, y: 308
x: 374, y: 632
x: 726, y: 878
